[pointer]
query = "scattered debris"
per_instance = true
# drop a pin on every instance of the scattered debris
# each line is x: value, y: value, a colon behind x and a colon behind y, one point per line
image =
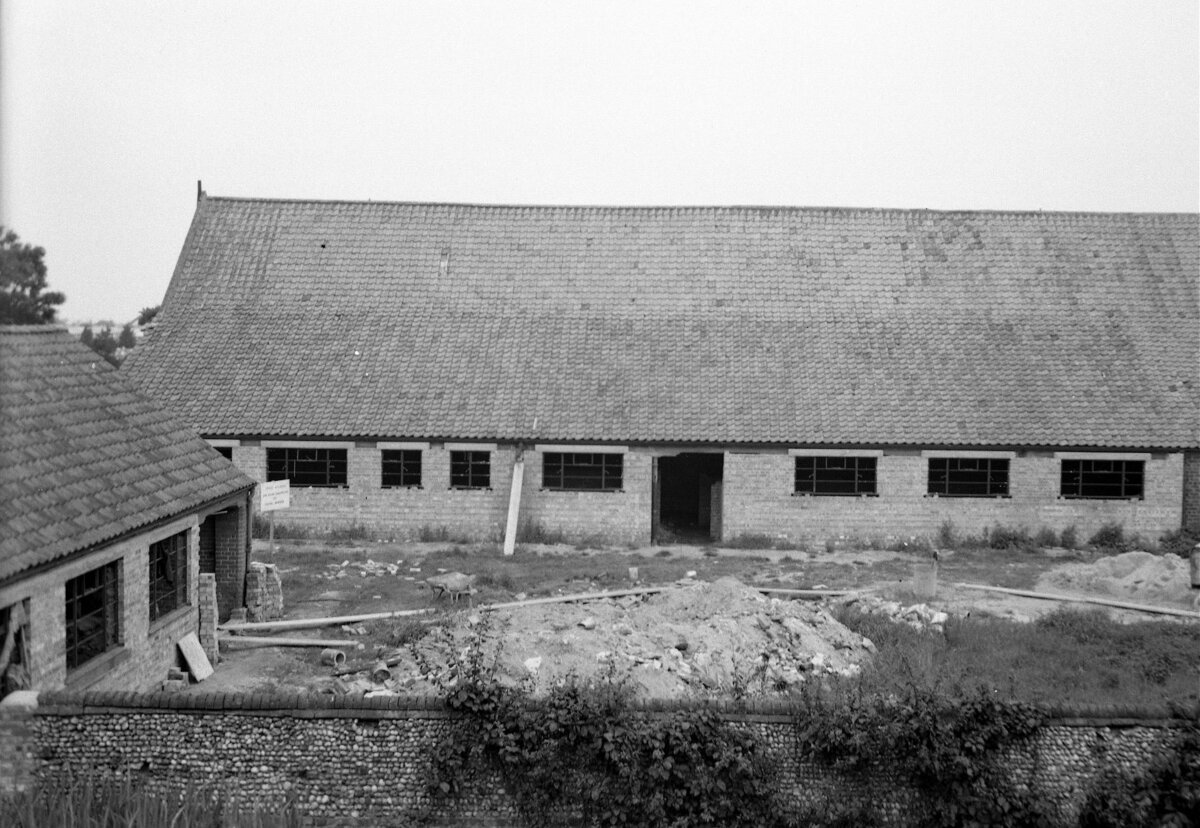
x: 1131, y: 576
x: 452, y: 583
x: 918, y: 616
x: 705, y: 639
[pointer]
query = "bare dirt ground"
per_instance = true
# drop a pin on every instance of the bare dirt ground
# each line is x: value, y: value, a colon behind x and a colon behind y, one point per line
x: 711, y: 633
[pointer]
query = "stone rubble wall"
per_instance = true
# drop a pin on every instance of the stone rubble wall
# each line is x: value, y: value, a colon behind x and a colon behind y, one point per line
x: 344, y: 758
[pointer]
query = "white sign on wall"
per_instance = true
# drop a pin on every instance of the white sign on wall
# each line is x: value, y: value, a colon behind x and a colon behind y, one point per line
x: 276, y: 494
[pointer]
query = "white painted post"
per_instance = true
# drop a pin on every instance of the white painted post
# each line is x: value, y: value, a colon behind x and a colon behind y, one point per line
x: 514, y: 505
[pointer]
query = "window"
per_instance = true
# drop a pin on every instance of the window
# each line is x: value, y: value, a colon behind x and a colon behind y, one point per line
x: 307, y: 466
x: 225, y: 451
x: 587, y: 472
x: 168, y: 575
x: 401, y: 467
x: 968, y: 476
x: 470, y: 469
x: 93, y: 614
x: 835, y: 475
x: 1103, y: 479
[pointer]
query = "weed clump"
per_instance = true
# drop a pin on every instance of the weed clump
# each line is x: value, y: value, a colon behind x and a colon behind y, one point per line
x: 1110, y: 538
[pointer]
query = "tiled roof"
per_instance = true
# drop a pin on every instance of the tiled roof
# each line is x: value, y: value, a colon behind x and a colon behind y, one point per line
x: 84, y: 457
x: 707, y: 324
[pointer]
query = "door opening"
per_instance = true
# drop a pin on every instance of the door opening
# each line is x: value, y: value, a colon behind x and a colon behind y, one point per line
x: 688, y: 501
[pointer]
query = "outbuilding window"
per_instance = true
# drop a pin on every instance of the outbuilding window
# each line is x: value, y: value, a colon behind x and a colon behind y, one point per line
x: 835, y: 476
x: 968, y: 476
x: 168, y: 575
x: 307, y: 466
x: 470, y: 469
x: 401, y: 468
x: 582, y: 472
x: 93, y: 614
x: 1103, y: 479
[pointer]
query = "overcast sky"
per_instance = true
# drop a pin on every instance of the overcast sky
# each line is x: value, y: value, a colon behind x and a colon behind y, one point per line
x: 111, y: 111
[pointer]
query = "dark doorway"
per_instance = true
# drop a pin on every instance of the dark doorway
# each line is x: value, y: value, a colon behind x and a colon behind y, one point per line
x: 208, y: 545
x: 688, y: 489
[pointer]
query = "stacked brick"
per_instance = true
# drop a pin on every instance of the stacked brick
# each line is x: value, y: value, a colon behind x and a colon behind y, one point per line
x: 206, y: 596
x: 264, y: 592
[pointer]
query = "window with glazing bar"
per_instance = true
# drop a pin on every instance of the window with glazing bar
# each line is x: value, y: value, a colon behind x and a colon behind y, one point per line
x: 93, y: 614
x: 470, y: 469
x: 401, y: 468
x: 968, y: 476
x: 835, y: 475
x: 307, y: 466
x: 1103, y: 479
x: 582, y: 471
x: 168, y: 575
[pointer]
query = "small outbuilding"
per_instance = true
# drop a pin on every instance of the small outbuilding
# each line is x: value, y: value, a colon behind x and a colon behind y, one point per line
x: 111, y: 509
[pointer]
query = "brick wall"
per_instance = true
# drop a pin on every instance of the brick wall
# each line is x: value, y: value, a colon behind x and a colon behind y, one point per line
x: 206, y: 600
x: 471, y: 514
x: 230, y: 555
x: 147, y: 649
x: 18, y: 747
x: 331, y: 755
x: 619, y: 517
x: 1191, y: 490
x: 757, y: 492
x: 759, y: 500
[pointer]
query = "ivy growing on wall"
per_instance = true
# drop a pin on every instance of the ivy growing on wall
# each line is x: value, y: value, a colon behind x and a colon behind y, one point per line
x: 944, y: 742
x: 585, y: 753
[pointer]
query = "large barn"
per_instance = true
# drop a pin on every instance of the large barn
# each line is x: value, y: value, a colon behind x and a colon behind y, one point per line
x: 649, y: 373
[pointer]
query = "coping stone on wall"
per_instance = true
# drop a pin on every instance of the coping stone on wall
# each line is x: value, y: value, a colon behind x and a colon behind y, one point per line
x: 316, y: 705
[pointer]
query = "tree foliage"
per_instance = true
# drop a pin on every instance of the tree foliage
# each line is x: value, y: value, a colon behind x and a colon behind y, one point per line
x: 24, y: 299
x: 103, y: 343
x: 146, y: 315
x: 126, y: 339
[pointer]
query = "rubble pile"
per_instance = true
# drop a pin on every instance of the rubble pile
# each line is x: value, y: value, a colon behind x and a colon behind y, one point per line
x: 699, y: 639
x: 364, y: 569
x: 1131, y: 576
x: 918, y: 616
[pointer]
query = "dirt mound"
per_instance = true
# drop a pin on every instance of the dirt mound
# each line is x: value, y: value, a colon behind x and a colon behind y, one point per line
x: 696, y: 639
x: 1139, y: 577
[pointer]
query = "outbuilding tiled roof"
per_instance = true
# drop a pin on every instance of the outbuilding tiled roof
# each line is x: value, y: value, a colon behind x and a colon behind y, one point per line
x: 85, y: 457
x: 710, y: 324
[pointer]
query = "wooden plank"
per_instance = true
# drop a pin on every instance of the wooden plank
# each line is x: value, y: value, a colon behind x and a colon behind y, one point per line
x: 514, y: 507
x: 266, y: 641
x: 1078, y: 599
x: 193, y: 655
x: 312, y: 623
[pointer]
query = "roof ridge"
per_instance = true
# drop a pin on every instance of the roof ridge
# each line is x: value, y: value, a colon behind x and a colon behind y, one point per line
x: 791, y: 208
x: 34, y: 328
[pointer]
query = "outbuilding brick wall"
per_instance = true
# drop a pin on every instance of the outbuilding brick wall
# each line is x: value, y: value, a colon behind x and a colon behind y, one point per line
x: 435, y: 508
x: 230, y: 527
x: 1191, y: 491
x: 759, y: 499
x: 147, y: 649
x: 365, y: 759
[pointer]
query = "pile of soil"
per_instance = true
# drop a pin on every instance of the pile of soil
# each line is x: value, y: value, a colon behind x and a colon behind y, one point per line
x: 1138, y: 577
x: 697, y: 639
